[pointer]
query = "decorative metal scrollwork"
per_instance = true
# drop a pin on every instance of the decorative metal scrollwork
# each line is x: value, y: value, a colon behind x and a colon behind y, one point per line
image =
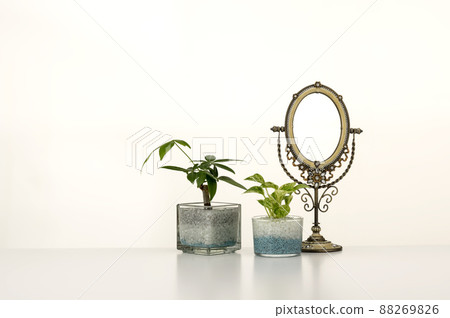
x: 322, y: 203
x: 304, y: 169
x: 322, y: 175
x: 338, y: 163
x: 327, y: 197
x: 307, y: 199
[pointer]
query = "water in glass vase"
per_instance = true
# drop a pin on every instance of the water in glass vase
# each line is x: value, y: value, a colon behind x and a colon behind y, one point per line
x: 208, y: 230
x: 277, y: 237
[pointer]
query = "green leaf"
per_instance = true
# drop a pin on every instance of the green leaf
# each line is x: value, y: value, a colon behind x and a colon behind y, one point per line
x: 212, y: 186
x: 232, y: 182
x: 300, y: 186
x: 290, y: 187
x: 192, y: 169
x: 210, y: 158
x: 293, y: 186
x: 164, y: 149
x: 209, y: 174
x: 288, y: 199
x: 281, y: 211
x: 265, y: 203
x: 204, y: 165
x: 223, y: 167
x: 286, y: 209
x: 256, y: 177
x: 269, y: 185
x: 192, y: 176
x: 214, y: 171
x: 271, y: 205
x: 255, y: 189
x: 174, y: 168
x: 148, y: 157
x: 201, y: 176
x: 226, y: 160
x: 182, y: 142
x: 278, y: 195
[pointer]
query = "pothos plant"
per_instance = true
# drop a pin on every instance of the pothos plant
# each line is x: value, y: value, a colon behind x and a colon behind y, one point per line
x: 203, y: 173
x: 276, y: 203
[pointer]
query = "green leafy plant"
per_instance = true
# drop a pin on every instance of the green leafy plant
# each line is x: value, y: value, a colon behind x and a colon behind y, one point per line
x: 203, y: 173
x: 276, y: 203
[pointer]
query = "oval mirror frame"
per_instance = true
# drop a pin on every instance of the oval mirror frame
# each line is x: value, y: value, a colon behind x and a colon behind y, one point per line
x: 343, y: 115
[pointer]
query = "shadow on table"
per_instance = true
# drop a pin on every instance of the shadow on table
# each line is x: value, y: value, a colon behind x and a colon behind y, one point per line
x: 309, y: 276
x: 209, y: 277
x: 277, y: 278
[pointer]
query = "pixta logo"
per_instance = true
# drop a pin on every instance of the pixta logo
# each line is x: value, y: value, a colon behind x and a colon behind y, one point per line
x: 140, y: 144
x: 244, y: 149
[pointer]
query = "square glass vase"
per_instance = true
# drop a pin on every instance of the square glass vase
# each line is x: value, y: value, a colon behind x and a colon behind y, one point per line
x: 208, y: 230
x: 277, y: 237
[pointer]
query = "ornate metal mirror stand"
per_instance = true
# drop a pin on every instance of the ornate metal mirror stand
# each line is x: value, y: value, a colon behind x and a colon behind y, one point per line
x: 319, y: 175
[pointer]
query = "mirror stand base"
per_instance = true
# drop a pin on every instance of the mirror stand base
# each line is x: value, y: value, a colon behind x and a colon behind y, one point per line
x: 314, y: 245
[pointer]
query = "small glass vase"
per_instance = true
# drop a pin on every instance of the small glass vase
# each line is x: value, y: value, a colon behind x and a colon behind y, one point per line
x: 208, y: 230
x: 277, y: 237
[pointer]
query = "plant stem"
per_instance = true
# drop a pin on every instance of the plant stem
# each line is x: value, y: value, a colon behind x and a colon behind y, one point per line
x: 267, y: 210
x: 205, y: 190
x: 184, y: 153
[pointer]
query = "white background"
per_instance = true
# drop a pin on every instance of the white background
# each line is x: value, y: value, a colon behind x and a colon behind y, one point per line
x: 77, y: 80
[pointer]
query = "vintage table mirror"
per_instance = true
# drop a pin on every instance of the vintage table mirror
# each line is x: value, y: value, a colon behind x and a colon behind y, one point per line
x: 317, y: 131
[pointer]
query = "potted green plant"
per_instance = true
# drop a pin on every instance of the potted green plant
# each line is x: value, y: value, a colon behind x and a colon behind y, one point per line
x: 276, y: 234
x: 205, y: 228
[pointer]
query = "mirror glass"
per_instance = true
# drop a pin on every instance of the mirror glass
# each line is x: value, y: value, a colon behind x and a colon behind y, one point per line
x: 316, y: 127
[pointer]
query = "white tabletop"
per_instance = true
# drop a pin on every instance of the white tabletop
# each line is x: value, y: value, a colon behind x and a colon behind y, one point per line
x: 356, y: 273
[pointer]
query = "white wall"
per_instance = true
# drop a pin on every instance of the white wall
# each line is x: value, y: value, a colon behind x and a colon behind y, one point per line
x: 73, y: 90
